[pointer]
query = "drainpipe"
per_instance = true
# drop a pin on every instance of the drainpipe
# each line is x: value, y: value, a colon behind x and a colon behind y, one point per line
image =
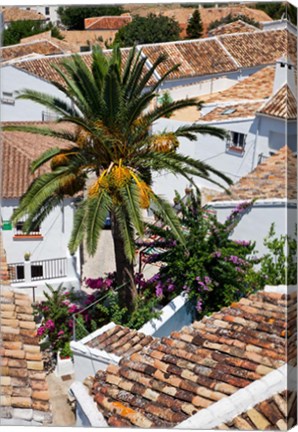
x: 255, y: 144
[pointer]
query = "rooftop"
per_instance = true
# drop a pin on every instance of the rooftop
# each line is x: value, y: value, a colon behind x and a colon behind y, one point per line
x: 43, y: 47
x: 241, y: 110
x: 107, y: 22
x: 260, y: 48
x: 199, y: 57
x: 24, y: 390
x: 19, y: 150
x: 120, y: 340
x: 174, y: 377
x: 238, y: 26
x: 282, y: 104
x: 276, y: 177
x: 17, y: 14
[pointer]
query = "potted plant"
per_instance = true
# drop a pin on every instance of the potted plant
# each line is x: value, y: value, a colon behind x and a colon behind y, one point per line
x: 27, y: 256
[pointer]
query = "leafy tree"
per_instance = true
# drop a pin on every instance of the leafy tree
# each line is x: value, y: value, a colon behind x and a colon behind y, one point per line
x: 110, y: 109
x: 150, y: 29
x: 21, y: 29
x: 73, y: 16
x: 194, y: 28
x: 210, y: 266
x: 164, y: 100
x: 231, y: 18
x: 278, y: 9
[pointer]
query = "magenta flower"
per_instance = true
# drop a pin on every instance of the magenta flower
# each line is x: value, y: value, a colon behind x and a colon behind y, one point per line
x: 60, y: 333
x: 50, y: 325
x: 41, y: 330
x: 199, y: 305
x: 72, y: 308
x: 159, y: 290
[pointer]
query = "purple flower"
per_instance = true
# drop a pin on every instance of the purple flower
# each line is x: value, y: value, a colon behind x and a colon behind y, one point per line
x: 171, y: 287
x: 186, y: 288
x: 199, y: 305
x: 242, y: 242
x: 216, y: 254
x: 159, y: 290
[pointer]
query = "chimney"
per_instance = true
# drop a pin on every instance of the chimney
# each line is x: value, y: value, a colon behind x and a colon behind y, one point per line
x: 284, y: 74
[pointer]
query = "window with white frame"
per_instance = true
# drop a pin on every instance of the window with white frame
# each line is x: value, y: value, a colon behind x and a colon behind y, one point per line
x: 7, y: 98
x: 238, y: 139
x: 19, y: 229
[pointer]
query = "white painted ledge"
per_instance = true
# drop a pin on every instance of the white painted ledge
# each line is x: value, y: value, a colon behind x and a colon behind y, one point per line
x: 281, y: 289
x: 168, y: 311
x: 87, y: 405
x: 230, y: 407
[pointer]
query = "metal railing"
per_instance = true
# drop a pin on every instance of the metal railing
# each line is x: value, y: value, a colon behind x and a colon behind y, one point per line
x: 48, y: 117
x: 75, y: 322
x: 48, y: 269
x: 16, y: 272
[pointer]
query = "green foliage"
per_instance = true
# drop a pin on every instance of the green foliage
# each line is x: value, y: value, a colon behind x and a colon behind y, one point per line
x: 80, y: 328
x: 150, y: 29
x: 73, y: 16
x: 276, y: 10
x: 194, y: 28
x: 164, y: 100
x: 231, y: 18
x: 66, y: 351
x: 211, y: 267
x: 18, y: 30
x: 279, y: 265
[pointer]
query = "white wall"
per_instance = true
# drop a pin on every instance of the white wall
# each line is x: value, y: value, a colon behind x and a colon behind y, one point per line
x: 209, y: 149
x: 256, y: 221
x: 56, y: 230
x: 13, y: 80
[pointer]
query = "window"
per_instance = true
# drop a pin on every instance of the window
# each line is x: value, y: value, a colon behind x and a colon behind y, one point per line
x: 36, y: 271
x: 228, y: 111
x: 7, y: 98
x: 47, y: 10
x: 19, y: 230
x: 236, y: 143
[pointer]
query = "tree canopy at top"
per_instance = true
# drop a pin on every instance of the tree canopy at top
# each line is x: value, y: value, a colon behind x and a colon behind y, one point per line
x: 73, y: 16
x: 150, y: 29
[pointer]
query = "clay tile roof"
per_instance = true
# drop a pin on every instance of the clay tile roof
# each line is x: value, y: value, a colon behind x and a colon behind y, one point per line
x: 256, y: 86
x: 201, y: 57
x: 16, y: 14
x: 174, y: 377
x: 24, y: 390
x: 107, y: 22
x: 241, y: 110
x: 282, y: 104
x: 260, y: 48
x: 19, y: 150
x: 238, y: 26
x: 275, y: 413
x: 65, y: 46
x: 43, y: 47
x: 274, y: 178
x: 42, y: 67
x: 120, y: 341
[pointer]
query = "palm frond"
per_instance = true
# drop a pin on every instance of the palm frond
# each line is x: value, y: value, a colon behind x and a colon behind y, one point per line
x: 78, y: 230
x: 35, y: 219
x: 191, y: 131
x: 131, y: 199
x: 97, y: 211
x: 126, y: 231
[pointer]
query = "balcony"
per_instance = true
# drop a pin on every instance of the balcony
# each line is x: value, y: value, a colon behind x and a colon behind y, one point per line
x: 235, y: 144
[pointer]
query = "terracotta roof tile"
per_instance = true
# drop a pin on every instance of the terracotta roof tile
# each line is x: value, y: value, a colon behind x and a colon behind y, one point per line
x: 107, y: 22
x: 238, y: 26
x: 256, y: 86
x: 42, y: 67
x: 16, y: 379
x: 274, y: 178
x: 282, y: 104
x: 43, y: 47
x: 17, y: 14
x: 272, y: 414
x: 202, y: 57
x: 20, y: 149
x: 241, y: 110
x: 174, y: 377
x: 260, y: 48
x: 62, y: 44
x: 120, y: 341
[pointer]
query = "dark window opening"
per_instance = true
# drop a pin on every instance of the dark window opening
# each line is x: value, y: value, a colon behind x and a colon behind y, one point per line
x: 36, y: 271
x: 47, y: 10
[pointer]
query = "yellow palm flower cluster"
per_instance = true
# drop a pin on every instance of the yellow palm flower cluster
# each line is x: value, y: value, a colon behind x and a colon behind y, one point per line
x: 165, y: 143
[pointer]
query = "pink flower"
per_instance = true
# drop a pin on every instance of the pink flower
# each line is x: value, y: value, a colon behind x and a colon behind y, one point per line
x: 199, y: 305
x: 40, y: 330
x: 66, y: 302
x: 60, y: 333
x: 72, y: 308
x: 50, y: 325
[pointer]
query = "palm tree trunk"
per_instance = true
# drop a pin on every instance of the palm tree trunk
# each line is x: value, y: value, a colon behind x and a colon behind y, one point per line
x: 124, y: 269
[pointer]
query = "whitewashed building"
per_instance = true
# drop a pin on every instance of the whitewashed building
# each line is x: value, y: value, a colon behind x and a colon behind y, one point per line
x: 41, y: 256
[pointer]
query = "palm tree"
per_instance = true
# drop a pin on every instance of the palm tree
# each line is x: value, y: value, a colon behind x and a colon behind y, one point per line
x: 110, y: 108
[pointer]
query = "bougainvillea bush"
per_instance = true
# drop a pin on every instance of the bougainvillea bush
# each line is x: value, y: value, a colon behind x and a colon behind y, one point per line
x: 211, y: 268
